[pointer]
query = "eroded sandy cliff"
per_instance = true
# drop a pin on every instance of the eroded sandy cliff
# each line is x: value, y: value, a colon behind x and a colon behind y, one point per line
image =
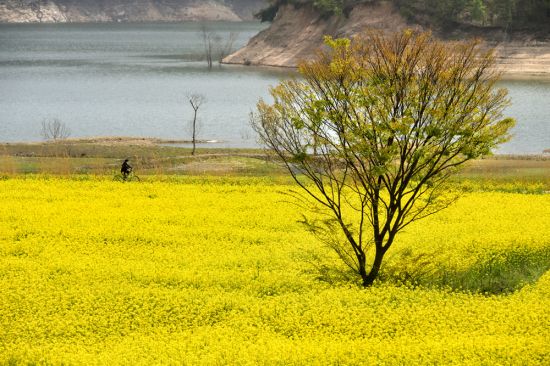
x: 296, y: 33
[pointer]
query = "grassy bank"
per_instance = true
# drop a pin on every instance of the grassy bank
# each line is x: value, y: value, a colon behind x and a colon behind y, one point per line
x: 150, y: 159
x: 147, y: 159
x: 216, y: 270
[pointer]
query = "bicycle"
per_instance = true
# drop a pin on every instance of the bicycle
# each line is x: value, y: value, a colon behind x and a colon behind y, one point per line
x: 132, y: 177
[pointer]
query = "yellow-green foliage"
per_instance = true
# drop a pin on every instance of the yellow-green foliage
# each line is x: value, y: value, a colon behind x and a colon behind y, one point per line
x: 212, y: 271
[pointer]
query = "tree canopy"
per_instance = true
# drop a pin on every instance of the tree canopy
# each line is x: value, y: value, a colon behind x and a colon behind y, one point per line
x: 373, y: 128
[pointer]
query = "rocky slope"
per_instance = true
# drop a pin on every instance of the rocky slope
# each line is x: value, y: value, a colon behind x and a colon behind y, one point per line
x: 296, y: 33
x: 54, y: 11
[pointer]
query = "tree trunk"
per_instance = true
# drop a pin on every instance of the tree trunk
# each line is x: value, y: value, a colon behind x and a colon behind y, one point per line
x: 373, y: 273
x: 194, y: 132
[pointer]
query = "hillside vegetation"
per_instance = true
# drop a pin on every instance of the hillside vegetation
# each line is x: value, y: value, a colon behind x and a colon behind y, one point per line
x: 206, y: 271
x: 530, y: 14
x: 500, y: 13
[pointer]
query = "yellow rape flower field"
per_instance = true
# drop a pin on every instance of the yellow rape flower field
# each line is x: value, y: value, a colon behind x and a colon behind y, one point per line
x: 216, y: 271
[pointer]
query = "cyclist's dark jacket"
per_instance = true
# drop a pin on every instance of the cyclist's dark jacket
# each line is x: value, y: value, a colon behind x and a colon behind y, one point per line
x: 126, y: 168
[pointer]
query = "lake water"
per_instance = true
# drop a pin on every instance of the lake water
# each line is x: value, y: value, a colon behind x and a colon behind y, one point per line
x: 132, y: 79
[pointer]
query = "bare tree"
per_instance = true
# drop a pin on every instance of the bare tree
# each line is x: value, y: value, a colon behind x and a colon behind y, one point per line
x: 228, y: 46
x: 54, y: 129
x: 208, y: 42
x: 196, y: 101
x: 213, y: 46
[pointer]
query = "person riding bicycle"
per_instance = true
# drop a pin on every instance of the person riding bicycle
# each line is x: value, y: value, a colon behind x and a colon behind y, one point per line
x: 125, y: 169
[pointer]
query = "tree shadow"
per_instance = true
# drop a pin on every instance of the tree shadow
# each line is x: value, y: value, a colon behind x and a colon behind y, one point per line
x: 322, y: 269
x: 494, y: 273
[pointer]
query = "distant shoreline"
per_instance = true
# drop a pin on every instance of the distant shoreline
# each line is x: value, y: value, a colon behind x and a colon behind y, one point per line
x: 118, y: 11
x: 113, y: 141
x: 154, y: 142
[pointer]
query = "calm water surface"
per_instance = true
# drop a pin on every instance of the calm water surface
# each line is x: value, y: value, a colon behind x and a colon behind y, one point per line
x: 131, y: 80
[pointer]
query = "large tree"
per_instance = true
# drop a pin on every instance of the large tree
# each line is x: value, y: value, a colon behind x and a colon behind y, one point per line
x: 372, y: 129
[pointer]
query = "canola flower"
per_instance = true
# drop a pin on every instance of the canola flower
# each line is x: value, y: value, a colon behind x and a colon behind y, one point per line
x: 219, y: 271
